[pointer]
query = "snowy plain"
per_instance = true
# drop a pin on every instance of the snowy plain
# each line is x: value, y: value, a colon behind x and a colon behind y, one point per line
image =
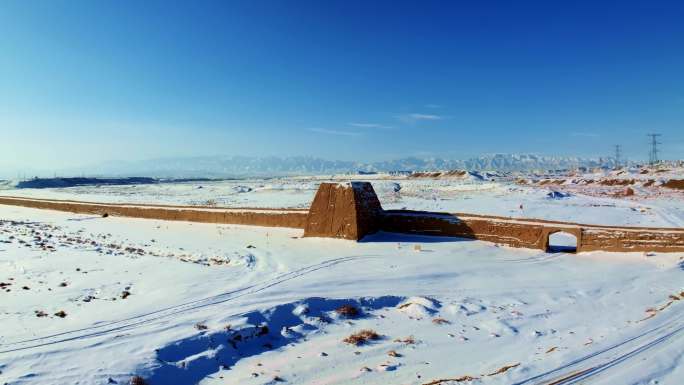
x: 91, y: 300
x: 456, y: 196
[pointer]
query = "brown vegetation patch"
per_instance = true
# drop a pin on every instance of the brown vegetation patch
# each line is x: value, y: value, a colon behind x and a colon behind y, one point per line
x: 362, y: 337
x: 503, y: 369
x: 617, y: 182
x: 408, y: 340
x: 458, y: 379
x: 466, y: 378
x: 652, y: 312
x: 440, y: 321
x: 677, y: 184
x: 348, y: 311
x: 137, y: 380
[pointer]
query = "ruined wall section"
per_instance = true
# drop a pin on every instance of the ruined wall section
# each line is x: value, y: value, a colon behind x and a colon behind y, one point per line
x: 344, y: 210
x: 630, y: 239
x: 352, y: 210
x: 256, y: 217
x: 452, y: 225
x: 368, y: 209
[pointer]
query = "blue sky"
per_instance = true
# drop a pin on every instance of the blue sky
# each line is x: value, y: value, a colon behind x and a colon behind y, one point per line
x: 87, y: 81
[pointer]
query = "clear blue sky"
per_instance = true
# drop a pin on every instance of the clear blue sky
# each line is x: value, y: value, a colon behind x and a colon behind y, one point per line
x: 87, y: 81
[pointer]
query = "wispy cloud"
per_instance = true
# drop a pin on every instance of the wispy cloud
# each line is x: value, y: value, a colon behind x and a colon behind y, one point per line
x: 370, y: 125
x: 418, y: 117
x: 585, y: 134
x: 333, y: 132
x: 425, y: 117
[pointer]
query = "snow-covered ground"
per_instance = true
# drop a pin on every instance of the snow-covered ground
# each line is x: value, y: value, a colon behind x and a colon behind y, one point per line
x: 451, y: 195
x: 91, y: 300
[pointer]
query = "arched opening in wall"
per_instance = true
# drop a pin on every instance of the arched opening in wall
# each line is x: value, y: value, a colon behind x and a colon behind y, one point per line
x: 562, y: 242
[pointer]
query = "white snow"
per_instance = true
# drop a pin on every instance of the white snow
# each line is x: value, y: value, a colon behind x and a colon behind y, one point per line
x: 185, y: 303
x: 463, y: 196
x: 278, y: 292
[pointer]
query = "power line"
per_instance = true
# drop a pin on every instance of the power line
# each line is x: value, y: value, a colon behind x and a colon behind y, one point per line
x: 618, y: 153
x: 653, y: 153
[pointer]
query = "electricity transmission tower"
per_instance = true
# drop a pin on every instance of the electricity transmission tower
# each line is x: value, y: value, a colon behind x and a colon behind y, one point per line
x: 653, y: 153
x: 618, y: 153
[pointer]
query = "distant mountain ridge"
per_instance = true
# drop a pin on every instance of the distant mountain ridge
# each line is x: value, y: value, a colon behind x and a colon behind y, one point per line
x: 244, y: 166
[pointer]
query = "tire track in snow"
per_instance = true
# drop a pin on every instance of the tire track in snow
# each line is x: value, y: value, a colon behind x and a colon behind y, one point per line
x: 537, y: 258
x: 594, y: 364
x: 147, y: 318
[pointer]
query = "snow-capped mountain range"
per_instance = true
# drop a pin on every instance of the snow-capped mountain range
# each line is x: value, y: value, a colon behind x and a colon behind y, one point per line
x: 240, y: 166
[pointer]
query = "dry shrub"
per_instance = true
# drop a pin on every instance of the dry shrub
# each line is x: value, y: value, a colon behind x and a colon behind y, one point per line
x: 503, y: 369
x: 440, y: 321
x: 348, y: 311
x: 362, y: 337
x: 137, y: 380
x: 408, y: 340
x: 459, y: 379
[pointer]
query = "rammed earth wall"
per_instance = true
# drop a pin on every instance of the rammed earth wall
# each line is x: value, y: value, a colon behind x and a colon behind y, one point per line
x: 352, y: 211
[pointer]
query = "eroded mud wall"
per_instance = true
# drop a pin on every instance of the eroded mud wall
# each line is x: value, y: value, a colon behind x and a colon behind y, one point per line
x: 629, y: 239
x: 269, y: 218
x: 352, y: 210
x: 444, y: 224
x: 344, y: 210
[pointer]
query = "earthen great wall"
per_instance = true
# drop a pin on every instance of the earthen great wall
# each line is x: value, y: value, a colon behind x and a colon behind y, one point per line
x: 352, y: 211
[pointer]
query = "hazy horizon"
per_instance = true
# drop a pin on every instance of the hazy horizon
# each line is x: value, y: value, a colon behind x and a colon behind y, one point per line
x: 222, y: 166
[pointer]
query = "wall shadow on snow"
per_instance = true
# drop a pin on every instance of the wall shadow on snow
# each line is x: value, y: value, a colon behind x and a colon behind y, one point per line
x: 388, y: 237
x: 189, y: 360
x: 421, y: 226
